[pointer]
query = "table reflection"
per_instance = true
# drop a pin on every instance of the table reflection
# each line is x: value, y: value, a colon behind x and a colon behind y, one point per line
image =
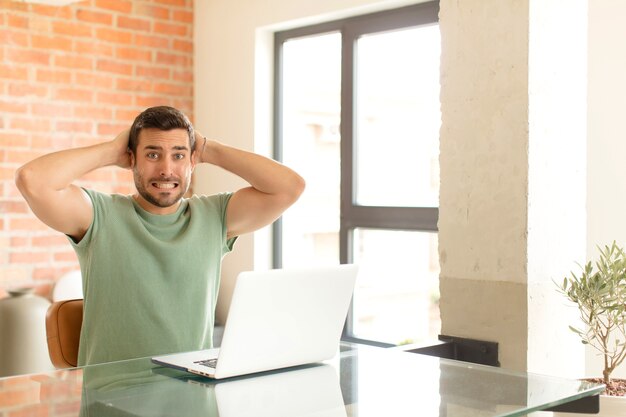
x: 138, y: 390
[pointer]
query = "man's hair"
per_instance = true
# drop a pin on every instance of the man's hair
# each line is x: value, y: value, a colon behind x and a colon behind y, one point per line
x: 162, y: 118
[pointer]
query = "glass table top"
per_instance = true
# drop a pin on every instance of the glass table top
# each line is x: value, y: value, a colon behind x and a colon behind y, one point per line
x: 358, y: 381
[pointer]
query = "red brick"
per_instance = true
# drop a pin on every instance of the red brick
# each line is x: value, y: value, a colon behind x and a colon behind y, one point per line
x: 41, y: 274
x: 52, y: 240
x: 27, y: 224
x: 21, y: 90
x: 182, y: 46
x: 133, y: 84
x: 179, y: 3
x: 52, y: 11
x: 152, y: 11
x: 170, y: 29
x: 74, y: 126
x: 172, y: 89
x: 126, y: 115
x: 41, y: 24
x: 21, y: 157
x: 95, y: 112
x: 133, y: 54
x: 117, y: 5
x: 17, y: 21
x: 153, y: 72
x: 150, y: 101
x: 49, y: 142
x: 28, y: 56
x: 12, y: 72
x: 183, y: 76
x: 18, y: 241
x: 74, y: 94
x: 151, y: 41
x: 108, y: 129
x: 51, y: 109
x: 114, y: 67
x: 184, y: 105
x: 30, y: 124
x: 98, y: 49
x: 51, y: 42
x: 67, y: 256
x: 72, y: 29
x: 54, y: 76
x: 13, y: 38
x: 12, y: 107
x: 94, y: 79
x: 104, y: 18
x: 7, y: 173
x: 118, y: 99
x: 114, y: 35
x: 173, y: 59
x: 125, y: 22
x: 14, y: 140
x: 73, y: 61
x: 13, y: 207
x: 182, y: 16
x: 29, y: 257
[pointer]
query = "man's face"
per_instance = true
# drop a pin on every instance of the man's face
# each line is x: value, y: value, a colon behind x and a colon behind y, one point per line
x: 162, y: 168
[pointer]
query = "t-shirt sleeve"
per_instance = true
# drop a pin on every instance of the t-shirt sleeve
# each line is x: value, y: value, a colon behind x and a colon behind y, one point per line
x: 224, y: 199
x: 97, y: 202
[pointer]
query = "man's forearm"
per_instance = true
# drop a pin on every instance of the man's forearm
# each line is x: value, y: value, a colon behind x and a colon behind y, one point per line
x: 264, y: 174
x: 59, y: 169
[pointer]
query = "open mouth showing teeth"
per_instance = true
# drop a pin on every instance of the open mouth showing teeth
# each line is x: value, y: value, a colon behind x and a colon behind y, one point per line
x: 164, y: 185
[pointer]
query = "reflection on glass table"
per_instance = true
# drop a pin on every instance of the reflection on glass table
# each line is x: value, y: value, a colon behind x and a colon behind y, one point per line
x: 359, y: 381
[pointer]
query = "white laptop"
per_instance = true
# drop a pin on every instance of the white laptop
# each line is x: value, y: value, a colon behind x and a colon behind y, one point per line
x: 277, y: 319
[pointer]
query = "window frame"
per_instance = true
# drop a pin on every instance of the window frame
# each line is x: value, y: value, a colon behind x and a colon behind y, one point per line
x: 354, y: 216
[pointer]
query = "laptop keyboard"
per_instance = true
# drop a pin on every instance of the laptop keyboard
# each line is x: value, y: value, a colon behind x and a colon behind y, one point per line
x: 209, y: 363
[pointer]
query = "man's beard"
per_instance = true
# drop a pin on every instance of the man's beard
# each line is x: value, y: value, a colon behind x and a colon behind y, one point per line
x: 168, y: 199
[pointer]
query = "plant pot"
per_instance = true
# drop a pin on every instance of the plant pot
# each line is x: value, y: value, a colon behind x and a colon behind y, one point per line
x: 610, y: 406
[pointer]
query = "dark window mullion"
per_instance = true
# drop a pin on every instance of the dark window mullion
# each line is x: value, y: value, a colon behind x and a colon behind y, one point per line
x: 398, y: 218
x: 347, y: 156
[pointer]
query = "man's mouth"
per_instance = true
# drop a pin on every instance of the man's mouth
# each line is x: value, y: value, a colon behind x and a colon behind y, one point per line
x: 165, y: 185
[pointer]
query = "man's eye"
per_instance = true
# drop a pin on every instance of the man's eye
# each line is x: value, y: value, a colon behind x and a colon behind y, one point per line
x: 179, y: 156
x: 153, y: 155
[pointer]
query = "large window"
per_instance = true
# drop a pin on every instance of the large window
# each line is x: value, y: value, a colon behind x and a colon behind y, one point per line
x: 358, y: 115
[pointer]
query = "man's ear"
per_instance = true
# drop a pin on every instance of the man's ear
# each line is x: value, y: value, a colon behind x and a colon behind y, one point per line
x: 194, y: 155
x: 132, y: 159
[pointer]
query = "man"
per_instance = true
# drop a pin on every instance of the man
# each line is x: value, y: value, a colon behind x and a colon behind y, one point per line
x: 151, y: 261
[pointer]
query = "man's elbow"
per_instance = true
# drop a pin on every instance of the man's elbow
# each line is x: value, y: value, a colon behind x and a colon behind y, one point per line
x: 297, y: 188
x: 25, y: 180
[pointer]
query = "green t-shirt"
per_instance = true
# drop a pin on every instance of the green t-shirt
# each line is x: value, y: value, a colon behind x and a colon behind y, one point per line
x: 150, y: 282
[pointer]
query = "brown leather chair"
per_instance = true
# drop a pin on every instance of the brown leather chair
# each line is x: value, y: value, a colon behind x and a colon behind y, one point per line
x: 63, y: 322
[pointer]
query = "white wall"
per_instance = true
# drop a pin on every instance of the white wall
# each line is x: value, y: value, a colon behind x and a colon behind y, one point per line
x: 606, y: 186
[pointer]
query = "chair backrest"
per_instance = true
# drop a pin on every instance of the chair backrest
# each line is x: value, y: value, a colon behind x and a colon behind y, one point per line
x: 63, y: 322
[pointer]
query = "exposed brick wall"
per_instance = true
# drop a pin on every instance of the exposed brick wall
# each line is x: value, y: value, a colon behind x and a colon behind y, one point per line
x: 73, y: 76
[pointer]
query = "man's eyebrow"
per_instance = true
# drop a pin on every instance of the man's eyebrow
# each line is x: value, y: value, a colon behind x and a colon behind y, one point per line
x: 158, y: 148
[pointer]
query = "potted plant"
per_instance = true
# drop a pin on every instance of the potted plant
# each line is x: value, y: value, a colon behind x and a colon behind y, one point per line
x: 599, y: 292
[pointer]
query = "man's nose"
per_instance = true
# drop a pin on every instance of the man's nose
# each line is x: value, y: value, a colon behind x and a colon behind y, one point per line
x: 165, y: 168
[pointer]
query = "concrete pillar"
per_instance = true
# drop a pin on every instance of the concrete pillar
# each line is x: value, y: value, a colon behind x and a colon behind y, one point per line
x: 512, y: 199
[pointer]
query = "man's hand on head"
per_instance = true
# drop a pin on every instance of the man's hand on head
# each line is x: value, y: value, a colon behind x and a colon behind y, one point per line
x: 120, y: 143
x: 199, y: 147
